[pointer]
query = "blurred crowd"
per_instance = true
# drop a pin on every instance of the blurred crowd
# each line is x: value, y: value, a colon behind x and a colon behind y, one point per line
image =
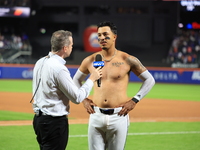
x: 23, y: 3
x: 185, y: 48
x: 13, y: 43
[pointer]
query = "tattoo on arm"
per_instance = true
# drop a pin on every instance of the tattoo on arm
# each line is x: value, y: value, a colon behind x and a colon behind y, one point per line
x: 136, y: 65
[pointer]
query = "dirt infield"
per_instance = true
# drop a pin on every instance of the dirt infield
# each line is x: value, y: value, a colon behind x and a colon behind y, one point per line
x: 148, y: 110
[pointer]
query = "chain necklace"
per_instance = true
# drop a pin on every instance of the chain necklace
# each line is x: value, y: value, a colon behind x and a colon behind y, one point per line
x: 107, y: 60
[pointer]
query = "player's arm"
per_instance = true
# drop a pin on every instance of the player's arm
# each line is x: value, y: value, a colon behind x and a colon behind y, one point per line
x: 81, y: 73
x: 79, y: 77
x: 148, y: 81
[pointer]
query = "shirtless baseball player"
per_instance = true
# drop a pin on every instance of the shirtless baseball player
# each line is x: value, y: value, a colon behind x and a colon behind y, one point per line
x: 109, y: 106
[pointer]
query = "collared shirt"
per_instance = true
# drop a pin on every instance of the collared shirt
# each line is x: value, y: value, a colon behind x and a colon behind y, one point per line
x: 56, y: 87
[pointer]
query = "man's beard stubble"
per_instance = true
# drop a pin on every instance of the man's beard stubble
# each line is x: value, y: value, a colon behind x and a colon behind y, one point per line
x: 104, y: 48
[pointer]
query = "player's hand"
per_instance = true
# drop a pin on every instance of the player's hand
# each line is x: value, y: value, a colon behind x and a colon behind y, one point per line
x: 126, y: 107
x: 88, y: 104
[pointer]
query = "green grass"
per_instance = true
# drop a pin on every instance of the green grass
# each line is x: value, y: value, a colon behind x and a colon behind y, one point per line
x: 16, y: 85
x: 142, y: 136
x: 8, y: 115
x: 188, y: 92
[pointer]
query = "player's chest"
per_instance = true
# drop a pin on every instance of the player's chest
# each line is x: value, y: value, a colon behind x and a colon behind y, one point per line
x: 115, y: 69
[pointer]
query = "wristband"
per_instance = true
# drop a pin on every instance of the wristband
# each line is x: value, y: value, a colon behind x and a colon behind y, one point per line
x: 135, y: 100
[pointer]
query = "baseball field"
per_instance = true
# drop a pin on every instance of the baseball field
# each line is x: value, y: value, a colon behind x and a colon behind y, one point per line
x: 168, y: 118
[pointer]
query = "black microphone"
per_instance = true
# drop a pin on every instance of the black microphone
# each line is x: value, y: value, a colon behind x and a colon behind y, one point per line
x: 98, y: 63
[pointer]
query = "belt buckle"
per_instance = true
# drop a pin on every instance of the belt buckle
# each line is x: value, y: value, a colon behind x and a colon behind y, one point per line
x: 38, y: 113
x: 107, y: 111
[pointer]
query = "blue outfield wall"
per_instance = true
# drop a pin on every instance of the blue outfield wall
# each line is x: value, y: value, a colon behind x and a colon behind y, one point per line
x: 162, y: 75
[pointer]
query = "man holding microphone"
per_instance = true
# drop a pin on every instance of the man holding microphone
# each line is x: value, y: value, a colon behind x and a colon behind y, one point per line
x: 53, y: 88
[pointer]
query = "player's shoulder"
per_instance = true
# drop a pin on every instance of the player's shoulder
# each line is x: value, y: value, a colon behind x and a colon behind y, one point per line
x: 125, y: 55
x: 90, y: 58
x: 86, y: 63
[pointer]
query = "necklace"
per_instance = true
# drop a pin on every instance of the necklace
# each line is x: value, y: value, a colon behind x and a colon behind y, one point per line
x: 107, y: 60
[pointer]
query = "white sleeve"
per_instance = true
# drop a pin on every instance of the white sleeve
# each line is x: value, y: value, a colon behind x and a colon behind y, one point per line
x: 67, y: 86
x: 79, y: 78
x: 148, y: 83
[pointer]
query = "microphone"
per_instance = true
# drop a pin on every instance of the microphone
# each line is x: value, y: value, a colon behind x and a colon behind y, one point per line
x: 98, y: 63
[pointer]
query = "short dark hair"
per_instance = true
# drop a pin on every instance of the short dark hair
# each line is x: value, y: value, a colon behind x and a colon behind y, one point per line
x: 60, y: 39
x: 112, y: 26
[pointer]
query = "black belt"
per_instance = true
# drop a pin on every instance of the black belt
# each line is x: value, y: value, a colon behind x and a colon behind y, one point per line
x: 40, y: 113
x: 107, y: 111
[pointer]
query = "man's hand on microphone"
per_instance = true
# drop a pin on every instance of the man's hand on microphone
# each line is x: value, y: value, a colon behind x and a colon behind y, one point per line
x: 96, y: 74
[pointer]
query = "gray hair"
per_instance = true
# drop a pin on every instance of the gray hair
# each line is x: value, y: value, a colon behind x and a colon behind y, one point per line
x: 60, y: 39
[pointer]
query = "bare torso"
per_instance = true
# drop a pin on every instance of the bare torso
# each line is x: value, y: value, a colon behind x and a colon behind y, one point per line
x: 113, y: 89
